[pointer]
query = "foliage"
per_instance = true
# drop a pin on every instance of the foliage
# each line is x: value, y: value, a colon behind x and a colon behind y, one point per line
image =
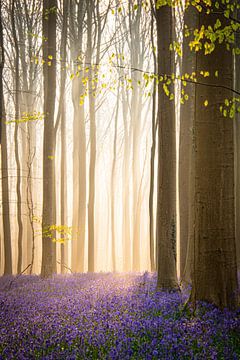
x: 57, y: 233
x: 27, y: 116
x: 64, y: 233
x: 205, y: 39
x: 106, y: 316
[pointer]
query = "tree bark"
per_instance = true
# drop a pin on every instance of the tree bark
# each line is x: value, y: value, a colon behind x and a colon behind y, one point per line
x: 136, y: 56
x: 16, y: 142
x: 166, y: 197
x: 237, y: 151
x: 79, y: 143
x: 214, y: 273
x: 63, y: 185
x: 4, y: 163
x: 187, y: 114
x: 49, y: 78
x: 112, y: 192
x: 152, y: 160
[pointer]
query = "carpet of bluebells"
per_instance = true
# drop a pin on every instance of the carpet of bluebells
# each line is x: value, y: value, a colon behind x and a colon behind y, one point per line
x: 109, y: 316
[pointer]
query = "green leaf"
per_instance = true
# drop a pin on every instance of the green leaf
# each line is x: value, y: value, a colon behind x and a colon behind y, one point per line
x: 217, y: 24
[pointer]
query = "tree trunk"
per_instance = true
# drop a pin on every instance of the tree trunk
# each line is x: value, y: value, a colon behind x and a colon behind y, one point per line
x: 79, y: 147
x: 112, y: 192
x: 24, y: 22
x: 125, y: 191
x: 135, y: 113
x: 214, y: 273
x: 16, y: 141
x: 237, y: 151
x: 92, y: 85
x: 152, y: 161
x: 49, y: 78
x: 63, y: 185
x: 166, y: 197
x: 4, y: 164
x: 187, y: 114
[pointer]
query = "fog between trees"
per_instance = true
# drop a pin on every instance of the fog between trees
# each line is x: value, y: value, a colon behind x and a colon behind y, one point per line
x: 117, y: 153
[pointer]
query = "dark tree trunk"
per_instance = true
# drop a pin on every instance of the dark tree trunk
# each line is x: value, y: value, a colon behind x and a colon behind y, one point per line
x: 214, y: 273
x: 187, y: 114
x: 49, y: 78
x: 166, y: 198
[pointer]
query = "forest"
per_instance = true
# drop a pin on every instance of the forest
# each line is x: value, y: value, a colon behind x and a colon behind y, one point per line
x: 120, y: 179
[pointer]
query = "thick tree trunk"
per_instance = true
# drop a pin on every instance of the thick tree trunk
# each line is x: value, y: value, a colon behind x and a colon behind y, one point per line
x: 214, y: 273
x: 49, y: 76
x: 237, y: 151
x: 166, y: 198
x: 187, y: 114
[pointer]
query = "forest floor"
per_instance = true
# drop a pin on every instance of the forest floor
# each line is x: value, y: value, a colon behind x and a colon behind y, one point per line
x: 109, y: 316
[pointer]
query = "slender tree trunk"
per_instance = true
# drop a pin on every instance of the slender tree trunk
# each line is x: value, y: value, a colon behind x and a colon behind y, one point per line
x: 49, y: 76
x: 92, y: 84
x: 91, y: 198
x: 135, y: 113
x: 16, y: 141
x: 79, y: 146
x: 63, y: 186
x: 28, y: 138
x: 126, y: 193
x: 152, y: 161
x: 136, y: 126
x: 4, y: 163
x: 112, y: 193
x: 214, y: 273
x: 166, y: 198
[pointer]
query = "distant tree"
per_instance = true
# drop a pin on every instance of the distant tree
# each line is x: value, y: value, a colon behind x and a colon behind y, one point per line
x: 96, y: 22
x: 28, y: 24
x: 62, y: 113
x: 92, y: 116
x: 4, y: 164
x: 77, y: 11
x: 153, y: 150
x: 113, y: 180
x: 16, y: 138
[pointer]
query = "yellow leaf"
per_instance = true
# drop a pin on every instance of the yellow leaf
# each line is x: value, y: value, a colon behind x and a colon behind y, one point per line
x: 206, y: 103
